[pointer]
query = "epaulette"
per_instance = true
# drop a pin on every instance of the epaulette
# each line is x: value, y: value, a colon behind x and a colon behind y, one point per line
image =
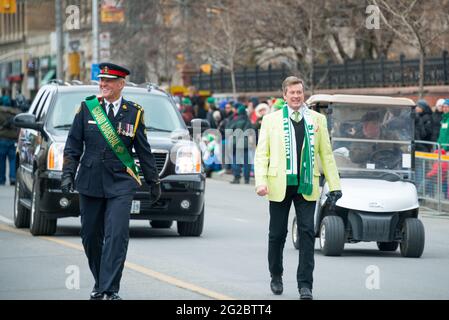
x: 137, y: 106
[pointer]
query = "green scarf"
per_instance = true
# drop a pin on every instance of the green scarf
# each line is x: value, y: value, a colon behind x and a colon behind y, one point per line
x: 307, y: 154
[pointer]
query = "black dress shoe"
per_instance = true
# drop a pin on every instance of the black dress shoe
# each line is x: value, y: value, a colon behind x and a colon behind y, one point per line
x: 112, y: 296
x: 276, y: 285
x: 95, y: 295
x: 305, y: 294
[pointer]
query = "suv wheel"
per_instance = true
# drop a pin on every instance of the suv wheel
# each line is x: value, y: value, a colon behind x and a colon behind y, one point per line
x: 194, y: 228
x: 21, y: 213
x: 39, y: 224
x: 161, y: 224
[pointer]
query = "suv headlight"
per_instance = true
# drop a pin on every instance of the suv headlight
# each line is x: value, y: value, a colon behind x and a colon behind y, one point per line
x: 188, y: 160
x: 55, y: 156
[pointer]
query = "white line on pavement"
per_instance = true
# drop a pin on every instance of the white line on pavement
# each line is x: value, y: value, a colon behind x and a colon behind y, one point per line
x: 6, y: 220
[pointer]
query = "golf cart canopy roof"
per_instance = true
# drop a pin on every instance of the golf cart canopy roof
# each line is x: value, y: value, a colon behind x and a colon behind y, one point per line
x: 359, y: 99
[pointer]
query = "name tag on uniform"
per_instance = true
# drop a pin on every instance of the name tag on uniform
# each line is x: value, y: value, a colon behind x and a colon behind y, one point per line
x: 91, y: 122
x: 444, y: 126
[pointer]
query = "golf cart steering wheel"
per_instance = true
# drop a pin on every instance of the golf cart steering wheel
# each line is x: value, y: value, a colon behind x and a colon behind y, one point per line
x: 385, y: 158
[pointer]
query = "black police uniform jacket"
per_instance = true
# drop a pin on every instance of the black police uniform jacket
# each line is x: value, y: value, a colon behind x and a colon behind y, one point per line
x: 101, y: 174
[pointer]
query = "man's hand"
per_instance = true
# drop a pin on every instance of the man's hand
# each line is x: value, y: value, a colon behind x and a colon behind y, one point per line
x: 332, y: 198
x: 262, y: 190
x: 67, y: 184
x: 155, y: 191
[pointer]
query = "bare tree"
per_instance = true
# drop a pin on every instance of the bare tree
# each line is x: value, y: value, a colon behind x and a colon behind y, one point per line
x: 417, y: 23
x: 220, y: 34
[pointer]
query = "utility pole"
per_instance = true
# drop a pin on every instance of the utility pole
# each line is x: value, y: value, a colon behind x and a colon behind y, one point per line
x: 94, y: 31
x: 59, y: 42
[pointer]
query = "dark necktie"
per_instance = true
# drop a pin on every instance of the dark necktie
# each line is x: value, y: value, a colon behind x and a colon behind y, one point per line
x: 111, y: 112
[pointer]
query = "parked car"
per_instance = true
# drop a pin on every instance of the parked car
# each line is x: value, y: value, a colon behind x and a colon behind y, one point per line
x: 39, y: 201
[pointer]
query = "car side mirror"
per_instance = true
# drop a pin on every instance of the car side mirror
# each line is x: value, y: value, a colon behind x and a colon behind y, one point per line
x: 198, y: 126
x: 27, y: 121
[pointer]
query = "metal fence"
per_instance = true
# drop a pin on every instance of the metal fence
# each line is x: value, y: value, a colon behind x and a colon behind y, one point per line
x: 431, y: 176
x: 350, y: 74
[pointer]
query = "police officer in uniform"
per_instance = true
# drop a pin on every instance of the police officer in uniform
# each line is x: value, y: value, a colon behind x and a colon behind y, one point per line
x: 103, y: 181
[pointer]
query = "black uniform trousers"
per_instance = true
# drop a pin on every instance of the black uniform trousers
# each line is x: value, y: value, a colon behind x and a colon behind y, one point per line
x: 105, y: 236
x: 278, y: 232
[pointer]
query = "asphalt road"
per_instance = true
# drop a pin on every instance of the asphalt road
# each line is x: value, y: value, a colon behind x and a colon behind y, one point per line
x: 227, y: 262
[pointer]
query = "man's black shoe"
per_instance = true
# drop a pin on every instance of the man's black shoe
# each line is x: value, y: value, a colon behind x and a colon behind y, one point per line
x: 112, y: 296
x: 95, y: 295
x: 276, y: 285
x: 305, y: 294
x: 12, y: 183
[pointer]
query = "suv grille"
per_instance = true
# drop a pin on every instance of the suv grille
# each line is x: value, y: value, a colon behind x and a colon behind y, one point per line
x: 161, y: 158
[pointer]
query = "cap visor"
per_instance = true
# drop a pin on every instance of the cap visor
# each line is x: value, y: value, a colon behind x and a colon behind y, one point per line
x: 109, y: 76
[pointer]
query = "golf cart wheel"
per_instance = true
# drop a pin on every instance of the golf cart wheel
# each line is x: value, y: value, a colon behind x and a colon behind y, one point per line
x: 412, y: 244
x: 295, y: 235
x: 388, y: 246
x: 332, y: 236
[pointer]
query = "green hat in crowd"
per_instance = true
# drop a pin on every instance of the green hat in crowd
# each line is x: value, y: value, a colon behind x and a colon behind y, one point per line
x: 186, y: 101
x: 279, y: 104
x: 211, y: 100
x: 241, y: 109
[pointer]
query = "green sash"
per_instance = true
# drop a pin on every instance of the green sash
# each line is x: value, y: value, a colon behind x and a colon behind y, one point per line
x: 111, y: 137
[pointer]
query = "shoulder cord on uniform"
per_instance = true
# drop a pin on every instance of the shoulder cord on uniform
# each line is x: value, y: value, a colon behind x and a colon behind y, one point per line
x: 137, y: 122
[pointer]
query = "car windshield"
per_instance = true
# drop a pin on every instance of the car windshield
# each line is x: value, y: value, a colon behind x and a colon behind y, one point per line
x: 160, y: 114
x: 371, y: 139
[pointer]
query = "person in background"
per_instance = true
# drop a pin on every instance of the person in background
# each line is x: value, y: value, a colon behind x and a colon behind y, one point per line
x: 187, y: 110
x: 432, y: 176
x: 21, y: 101
x: 212, y: 107
x: 436, y: 119
x: 277, y: 105
x: 261, y: 110
x: 241, y: 144
x: 443, y: 137
x: 423, y: 125
x: 8, y: 140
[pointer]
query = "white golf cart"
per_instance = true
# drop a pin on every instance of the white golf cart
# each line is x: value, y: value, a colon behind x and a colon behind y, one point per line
x: 372, y: 138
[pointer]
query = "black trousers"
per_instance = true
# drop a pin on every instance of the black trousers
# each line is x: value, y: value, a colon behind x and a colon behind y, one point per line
x: 105, y: 236
x: 278, y: 232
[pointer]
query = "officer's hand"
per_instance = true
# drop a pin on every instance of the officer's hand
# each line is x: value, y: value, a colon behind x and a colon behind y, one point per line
x: 155, y: 191
x: 332, y: 198
x: 67, y: 184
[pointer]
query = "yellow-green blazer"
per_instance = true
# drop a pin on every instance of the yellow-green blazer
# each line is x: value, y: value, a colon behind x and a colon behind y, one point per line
x: 270, y: 162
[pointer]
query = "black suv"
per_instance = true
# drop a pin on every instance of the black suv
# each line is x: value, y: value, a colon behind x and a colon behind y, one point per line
x: 39, y: 202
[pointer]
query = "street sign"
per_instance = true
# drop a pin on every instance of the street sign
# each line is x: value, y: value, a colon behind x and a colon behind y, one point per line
x: 105, y: 45
x: 104, y: 40
x: 95, y: 71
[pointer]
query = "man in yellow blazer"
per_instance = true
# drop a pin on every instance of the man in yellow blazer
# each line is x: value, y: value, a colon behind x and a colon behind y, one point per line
x: 286, y: 171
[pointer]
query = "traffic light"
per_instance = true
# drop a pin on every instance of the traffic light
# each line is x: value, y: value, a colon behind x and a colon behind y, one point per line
x: 8, y: 6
